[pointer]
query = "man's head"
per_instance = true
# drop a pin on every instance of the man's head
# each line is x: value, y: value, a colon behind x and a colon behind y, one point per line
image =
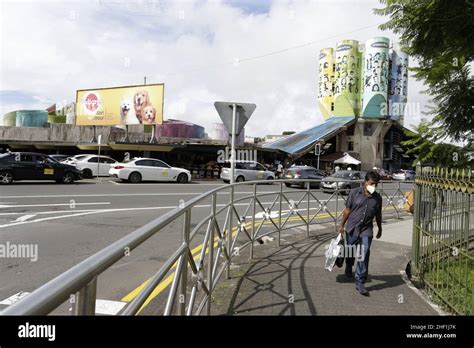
x: 372, y: 178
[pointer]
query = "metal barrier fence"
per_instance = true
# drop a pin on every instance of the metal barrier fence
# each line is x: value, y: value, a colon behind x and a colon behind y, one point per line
x: 243, y: 219
x: 443, y: 236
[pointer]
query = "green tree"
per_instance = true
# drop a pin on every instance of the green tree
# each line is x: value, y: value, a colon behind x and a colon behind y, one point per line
x: 424, y: 144
x: 440, y: 35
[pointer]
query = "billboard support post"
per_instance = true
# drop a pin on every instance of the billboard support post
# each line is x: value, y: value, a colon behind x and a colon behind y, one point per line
x: 126, y: 134
x: 94, y: 137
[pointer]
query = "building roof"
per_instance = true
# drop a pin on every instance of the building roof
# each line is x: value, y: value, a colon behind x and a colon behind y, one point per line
x: 301, y: 141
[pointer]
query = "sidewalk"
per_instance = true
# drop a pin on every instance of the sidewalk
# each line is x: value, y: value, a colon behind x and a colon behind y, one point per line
x: 291, y: 280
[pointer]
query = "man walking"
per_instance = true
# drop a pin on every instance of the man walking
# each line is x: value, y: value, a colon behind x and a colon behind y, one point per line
x: 362, y: 205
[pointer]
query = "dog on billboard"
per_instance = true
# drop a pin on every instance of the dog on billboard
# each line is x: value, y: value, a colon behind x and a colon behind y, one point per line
x: 127, y: 113
x: 140, y: 100
x: 149, y: 114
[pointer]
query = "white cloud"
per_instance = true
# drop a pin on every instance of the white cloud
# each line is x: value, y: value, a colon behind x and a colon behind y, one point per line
x: 50, y: 49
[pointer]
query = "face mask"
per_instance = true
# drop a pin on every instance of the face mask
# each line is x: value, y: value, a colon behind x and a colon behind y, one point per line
x: 371, y: 188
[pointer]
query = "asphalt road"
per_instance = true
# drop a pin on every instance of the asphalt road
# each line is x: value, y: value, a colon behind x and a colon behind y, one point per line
x: 68, y: 223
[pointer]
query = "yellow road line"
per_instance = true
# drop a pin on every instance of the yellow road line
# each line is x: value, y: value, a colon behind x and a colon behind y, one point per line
x: 195, y: 252
x: 168, y: 280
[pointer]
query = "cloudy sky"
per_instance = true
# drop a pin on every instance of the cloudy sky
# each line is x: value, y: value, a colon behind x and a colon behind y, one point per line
x: 259, y: 51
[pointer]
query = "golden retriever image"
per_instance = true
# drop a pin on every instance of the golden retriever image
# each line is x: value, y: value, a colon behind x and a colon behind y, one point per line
x: 140, y: 100
x: 148, y: 114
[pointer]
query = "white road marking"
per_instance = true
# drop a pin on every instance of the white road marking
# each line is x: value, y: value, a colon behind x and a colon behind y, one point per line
x: 14, y: 298
x: 105, y: 307
x: 88, y: 212
x: 52, y: 205
x: 24, y: 217
x: 124, y: 194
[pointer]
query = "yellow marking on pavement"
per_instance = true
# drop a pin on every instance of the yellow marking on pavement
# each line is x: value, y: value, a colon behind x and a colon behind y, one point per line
x: 168, y: 280
x: 195, y: 252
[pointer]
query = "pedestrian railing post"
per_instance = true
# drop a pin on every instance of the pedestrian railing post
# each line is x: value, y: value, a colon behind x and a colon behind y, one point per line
x: 210, y: 261
x: 85, y: 299
x: 308, y: 195
x: 230, y: 252
x: 184, y: 267
x: 254, y: 212
x: 279, y: 214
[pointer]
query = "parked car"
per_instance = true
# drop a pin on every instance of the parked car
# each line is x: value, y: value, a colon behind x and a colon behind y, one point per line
x: 346, y: 180
x: 303, y: 172
x: 73, y: 159
x: 246, y: 171
x: 149, y: 169
x: 404, y: 175
x: 90, y: 165
x: 59, y: 158
x: 16, y: 166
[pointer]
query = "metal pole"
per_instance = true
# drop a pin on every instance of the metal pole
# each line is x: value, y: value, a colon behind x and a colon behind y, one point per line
x: 184, y: 270
x: 85, y: 299
x: 279, y: 215
x: 229, y: 231
x: 308, y: 195
x: 210, y: 261
x: 232, y: 151
x: 252, y: 236
x: 98, y: 160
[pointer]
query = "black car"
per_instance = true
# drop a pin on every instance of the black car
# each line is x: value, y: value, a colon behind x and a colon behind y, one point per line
x: 344, y: 180
x: 15, y: 166
x: 303, y: 172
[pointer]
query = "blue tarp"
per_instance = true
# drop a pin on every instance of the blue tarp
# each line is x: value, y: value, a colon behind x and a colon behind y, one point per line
x: 301, y: 141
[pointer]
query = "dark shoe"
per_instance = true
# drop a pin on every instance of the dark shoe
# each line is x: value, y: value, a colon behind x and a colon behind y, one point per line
x: 361, y: 288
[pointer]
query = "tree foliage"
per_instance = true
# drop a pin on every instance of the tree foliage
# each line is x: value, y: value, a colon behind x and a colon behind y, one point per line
x: 423, y: 145
x: 440, y: 35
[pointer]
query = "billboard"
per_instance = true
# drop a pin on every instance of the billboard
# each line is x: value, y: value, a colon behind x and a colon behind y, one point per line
x: 376, y: 68
x: 326, y: 82
x: 141, y: 104
x: 347, y: 73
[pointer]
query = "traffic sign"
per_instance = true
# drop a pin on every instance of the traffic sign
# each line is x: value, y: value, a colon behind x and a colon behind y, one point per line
x: 243, y: 113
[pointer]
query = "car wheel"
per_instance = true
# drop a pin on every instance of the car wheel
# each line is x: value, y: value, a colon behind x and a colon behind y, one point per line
x: 240, y: 179
x: 68, y: 178
x: 87, y: 174
x: 135, y: 178
x: 287, y: 185
x: 226, y: 181
x: 270, y: 180
x: 6, y: 177
x: 182, y: 178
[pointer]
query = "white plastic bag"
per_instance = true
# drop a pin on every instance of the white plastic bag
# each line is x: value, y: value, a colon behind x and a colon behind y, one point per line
x: 332, y: 252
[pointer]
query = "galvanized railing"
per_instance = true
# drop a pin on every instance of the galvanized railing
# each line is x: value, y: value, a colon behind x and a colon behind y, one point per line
x: 443, y: 237
x: 207, y: 245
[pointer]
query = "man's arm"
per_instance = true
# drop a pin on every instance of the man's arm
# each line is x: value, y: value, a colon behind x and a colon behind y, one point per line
x: 378, y: 218
x: 345, y: 216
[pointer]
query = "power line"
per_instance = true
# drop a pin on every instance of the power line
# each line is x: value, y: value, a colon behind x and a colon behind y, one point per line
x: 269, y: 54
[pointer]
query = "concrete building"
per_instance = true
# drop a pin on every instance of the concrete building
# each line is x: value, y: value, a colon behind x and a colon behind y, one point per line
x: 362, y: 93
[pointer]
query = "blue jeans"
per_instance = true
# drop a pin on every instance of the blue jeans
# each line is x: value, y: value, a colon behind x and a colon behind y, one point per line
x: 362, y: 267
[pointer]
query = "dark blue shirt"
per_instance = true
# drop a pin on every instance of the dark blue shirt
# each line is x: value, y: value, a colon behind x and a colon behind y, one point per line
x: 363, y: 210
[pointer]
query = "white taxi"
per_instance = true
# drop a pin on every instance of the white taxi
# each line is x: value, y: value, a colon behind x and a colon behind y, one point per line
x: 148, y: 169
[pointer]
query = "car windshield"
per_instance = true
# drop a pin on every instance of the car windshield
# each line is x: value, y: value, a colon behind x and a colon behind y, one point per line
x: 343, y: 174
x: 78, y: 157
